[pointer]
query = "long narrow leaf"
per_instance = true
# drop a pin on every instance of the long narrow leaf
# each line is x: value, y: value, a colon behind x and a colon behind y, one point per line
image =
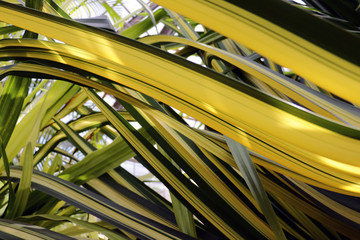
x: 101, y: 207
x: 84, y: 146
x: 155, y: 158
x: 19, y: 230
x: 89, y: 226
x: 320, y: 55
x: 325, y: 179
x: 23, y: 190
x: 248, y: 170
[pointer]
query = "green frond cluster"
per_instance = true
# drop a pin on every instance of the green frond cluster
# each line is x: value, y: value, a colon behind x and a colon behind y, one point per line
x: 171, y: 119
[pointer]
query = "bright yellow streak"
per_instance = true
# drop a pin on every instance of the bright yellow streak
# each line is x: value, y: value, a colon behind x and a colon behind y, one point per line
x: 341, y: 166
x: 294, y: 123
x: 352, y: 188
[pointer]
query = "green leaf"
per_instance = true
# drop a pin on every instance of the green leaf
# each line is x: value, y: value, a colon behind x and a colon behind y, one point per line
x: 174, y: 180
x: 101, y: 207
x: 19, y: 230
x: 55, y: 165
x: 58, y: 9
x: 87, y: 225
x: 7, y: 171
x: 11, y: 102
x: 184, y: 218
x: 126, y: 179
x: 23, y: 191
x: 35, y: 91
x: 284, y: 33
x: 141, y: 27
x: 84, y: 146
x: 309, y: 137
x: 249, y: 173
x: 58, y: 94
x: 288, y: 114
x: 9, y: 29
x: 97, y: 163
x: 150, y: 13
x: 184, y: 26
